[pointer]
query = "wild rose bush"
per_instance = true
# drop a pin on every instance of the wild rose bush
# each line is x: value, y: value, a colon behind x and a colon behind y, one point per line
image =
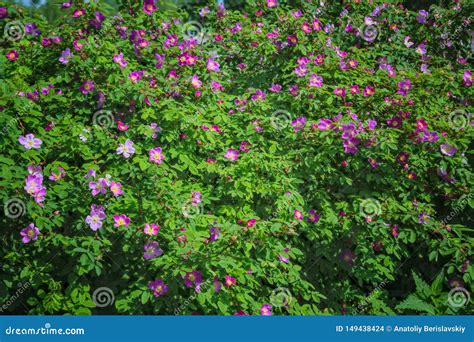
x: 276, y: 160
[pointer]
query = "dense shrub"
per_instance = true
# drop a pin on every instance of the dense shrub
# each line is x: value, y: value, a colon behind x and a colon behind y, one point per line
x: 272, y: 161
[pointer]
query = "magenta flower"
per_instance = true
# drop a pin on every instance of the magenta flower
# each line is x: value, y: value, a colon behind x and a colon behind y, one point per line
x: 298, y: 124
x: 149, y: 6
x: 313, y: 216
x: 212, y: 65
x: 34, y: 186
x: 404, y: 86
x: 369, y: 91
x: 266, y: 310
x: 66, y: 56
x: 298, y: 215
x: 467, y: 77
x: 12, y: 55
x: 315, y: 81
x: 152, y: 250
x: 156, y: 155
x: 193, y: 279
x: 448, y: 149
x: 118, y: 58
x: 340, y: 91
x: 196, y: 198
x: 96, y: 216
x: 116, y: 189
x: 195, y: 82
x: 306, y: 27
x: 134, y: 76
x: 126, y: 149
x: 394, y: 231
x: 99, y: 187
x: 87, y: 87
x: 324, y: 124
x: 57, y: 176
x: 229, y: 281
x: 231, y: 154
x: 29, y: 233
x: 158, y: 287
x: 29, y: 141
x: 271, y: 3
x: 121, y: 220
x: 275, y: 88
x: 151, y: 229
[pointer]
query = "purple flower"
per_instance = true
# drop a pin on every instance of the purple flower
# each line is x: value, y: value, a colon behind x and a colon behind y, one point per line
x: 96, y: 216
x: 156, y: 156
x: 126, y: 149
x: 315, y: 81
x: 404, y: 86
x: 371, y: 124
x: 149, y: 6
x: 312, y: 216
x: 29, y: 233
x: 447, y: 149
x: 87, y: 87
x: 266, y: 310
x: 57, y: 176
x: 118, y: 58
x: 152, y: 250
x: 423, y: 218
x: 258, y: 95
x: 212, y: 65
x: 29, y: 141
x: 298, y: 123
x: 193, y: 279
x: 217, y: 284
x: 324, y: 124
x: 99, y: 187
x: 158, y: 287
x: 214, y: 233
x: 275, y: 88
x: 121, y: 220
x: 231, y: 154
x: 116, y: 188
x: 34, y: 186
x: 66, y: 56
x: 196, y: 198
x: 348, y: 256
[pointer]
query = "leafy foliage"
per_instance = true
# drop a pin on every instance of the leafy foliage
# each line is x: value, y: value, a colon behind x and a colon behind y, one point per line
x: 293, y: 165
